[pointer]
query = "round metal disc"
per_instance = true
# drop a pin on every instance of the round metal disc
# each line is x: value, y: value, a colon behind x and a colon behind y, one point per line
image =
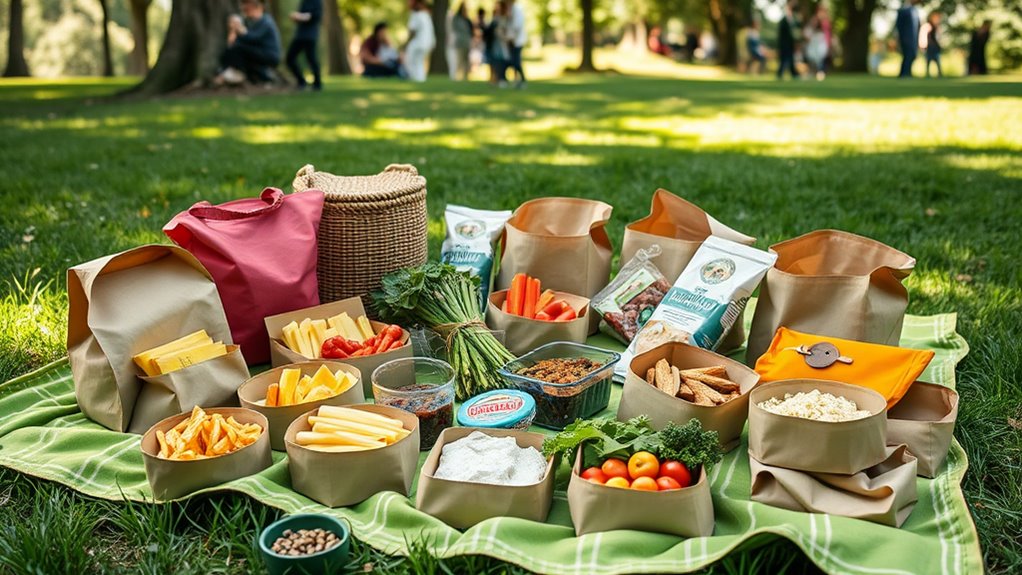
x: 822, y: 355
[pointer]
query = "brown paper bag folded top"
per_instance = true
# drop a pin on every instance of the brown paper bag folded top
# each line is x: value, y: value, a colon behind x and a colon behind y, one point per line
x: 122, y: 304
x: 523, y: 335
x: 848, y: 446
x: 638, y: 397
x: 341, y: 479
x: 679, y: 228
x: 924, y: 419
x: 884, y: 493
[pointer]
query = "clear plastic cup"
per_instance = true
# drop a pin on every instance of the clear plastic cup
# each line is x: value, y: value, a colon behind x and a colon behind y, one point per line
x: 420, y: 385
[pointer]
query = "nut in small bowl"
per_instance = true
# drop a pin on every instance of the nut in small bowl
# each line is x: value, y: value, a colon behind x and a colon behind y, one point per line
x: 305, y: 543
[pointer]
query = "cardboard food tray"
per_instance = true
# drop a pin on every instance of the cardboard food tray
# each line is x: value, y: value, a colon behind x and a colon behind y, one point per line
x: 523, y: 335
x: 341, y: 479
x: 279, y: 418
x: 462, y: 504
x: 924, y: 420
x: 639, y: 397
x: 845, y: 447
x: 686, y: 512
x: 280, y: 354
x: 171, y: 479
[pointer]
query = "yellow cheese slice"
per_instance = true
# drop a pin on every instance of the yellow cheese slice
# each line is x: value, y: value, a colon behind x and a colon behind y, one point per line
x: 347, y: 328
x: 145, y: 359
x: 304, y: 386
x: 345, y: 381
x: 319, y: 392
x: 330, y: 332
x: 303, y: 338
x: 323, y: 376
x: 191, y: 356
x: 287, y: 385
x: 365, y: 327
x: 318, y: 335
x: 290, y: 335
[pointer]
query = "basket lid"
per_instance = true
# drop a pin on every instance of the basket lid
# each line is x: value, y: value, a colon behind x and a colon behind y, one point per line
x: 396, y: 180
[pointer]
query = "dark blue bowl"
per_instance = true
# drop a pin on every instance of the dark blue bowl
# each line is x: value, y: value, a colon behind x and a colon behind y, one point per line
x: 327, y: 561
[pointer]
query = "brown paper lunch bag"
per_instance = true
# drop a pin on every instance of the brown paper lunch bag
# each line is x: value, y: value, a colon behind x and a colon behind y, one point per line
x: 122, y: 304
x: 211, y: 383
x: 640, y: 398
x: 832, y: 283
x: 522, y: 335
x: 844, y: 447
x: 679, y: 227
x: 924, y: 419
x: 561, y: 241
x: 885, y: 493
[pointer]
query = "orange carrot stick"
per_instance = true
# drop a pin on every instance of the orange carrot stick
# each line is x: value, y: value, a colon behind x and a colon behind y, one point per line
x: 531, y: 295
x: 517, y: 294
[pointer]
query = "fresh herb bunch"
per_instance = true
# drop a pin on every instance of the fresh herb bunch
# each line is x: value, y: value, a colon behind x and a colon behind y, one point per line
x: 605, y: 438
x: 440, y: 297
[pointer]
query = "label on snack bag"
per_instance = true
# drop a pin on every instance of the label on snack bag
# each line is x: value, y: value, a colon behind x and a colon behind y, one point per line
x: 706, y: 300
x: 469, y: 242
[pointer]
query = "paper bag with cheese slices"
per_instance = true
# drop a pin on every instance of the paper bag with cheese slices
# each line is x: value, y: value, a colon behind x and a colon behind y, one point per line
x: 299, y: 336
x: 124, y: 304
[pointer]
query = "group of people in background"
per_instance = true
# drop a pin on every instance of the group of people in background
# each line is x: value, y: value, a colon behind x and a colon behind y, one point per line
x: 914, y: 35
x: 253, y: 49
x: 498, y: 42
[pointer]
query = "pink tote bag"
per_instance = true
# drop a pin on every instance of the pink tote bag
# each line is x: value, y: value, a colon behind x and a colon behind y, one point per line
x: 261, y: 253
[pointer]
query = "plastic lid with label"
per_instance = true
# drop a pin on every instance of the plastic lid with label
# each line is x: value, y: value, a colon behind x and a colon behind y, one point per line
x: 500, y: 408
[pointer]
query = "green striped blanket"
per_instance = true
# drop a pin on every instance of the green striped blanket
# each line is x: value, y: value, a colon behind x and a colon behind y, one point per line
x: 42, y: 433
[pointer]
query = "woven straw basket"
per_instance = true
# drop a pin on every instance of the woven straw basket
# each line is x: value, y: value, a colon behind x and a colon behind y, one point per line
x: 371, y: 225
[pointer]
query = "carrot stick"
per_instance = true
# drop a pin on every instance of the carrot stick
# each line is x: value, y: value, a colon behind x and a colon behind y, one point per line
x: 544, y: 299
x: 272, y: 394
x: 531, y: 295
x: 567, y: 315
x: 554, y: 308
x: 517, y: 294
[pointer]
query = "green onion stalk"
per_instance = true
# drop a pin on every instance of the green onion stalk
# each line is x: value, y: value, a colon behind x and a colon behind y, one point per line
x: 447, y: 301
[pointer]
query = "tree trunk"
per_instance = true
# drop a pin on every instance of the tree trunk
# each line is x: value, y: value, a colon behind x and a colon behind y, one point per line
x: 138, y: 62
x: 16, y: 64
x: 336, y: 40
x: 588, y: 37
x: 855, y: 37
x: 108, y: 62
x: 438, y: 60
x: 273, y: 7
x: 191, y: 49
x: 724, y: 20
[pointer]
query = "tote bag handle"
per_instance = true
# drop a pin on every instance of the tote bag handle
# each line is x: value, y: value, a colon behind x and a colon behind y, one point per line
x: 272, y: 197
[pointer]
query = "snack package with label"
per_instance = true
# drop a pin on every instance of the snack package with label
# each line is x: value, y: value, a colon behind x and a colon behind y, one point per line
x: 705, y: 301
x: 469, y: 243
x: 628, y: 302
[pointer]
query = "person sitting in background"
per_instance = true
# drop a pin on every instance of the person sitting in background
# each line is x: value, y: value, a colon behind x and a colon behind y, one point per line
x: 307, y: 18
x: 253, y: 47
x: 754, y: 45
x: 379, y: 58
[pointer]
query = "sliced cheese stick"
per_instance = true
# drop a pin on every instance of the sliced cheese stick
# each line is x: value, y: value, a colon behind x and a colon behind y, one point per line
x: 349, y: 414
x: 338, y: 448
x: 327, y: 428
x: 353, y: 426
x: 336, y: 438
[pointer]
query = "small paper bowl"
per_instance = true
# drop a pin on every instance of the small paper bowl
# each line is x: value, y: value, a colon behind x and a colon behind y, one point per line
x: 843, y: 447
x: 347, y: 478
x: 171, y: 479
x: 327, y: 561
x: 280, y: 417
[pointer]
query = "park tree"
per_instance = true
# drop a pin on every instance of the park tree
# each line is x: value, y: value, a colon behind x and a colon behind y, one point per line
x: 438, y: 60
x: 138, y: 61
x: 726, y: 17
x: 196, y: 36
x: 108, y: 60
x: 336, y: 40
x: 588, y: 36
x: 858, y: 17
x: 16, y: 64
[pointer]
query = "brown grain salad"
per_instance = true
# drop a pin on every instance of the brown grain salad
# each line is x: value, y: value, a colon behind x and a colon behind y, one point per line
x: 560, y: 369
x: 304, y: 542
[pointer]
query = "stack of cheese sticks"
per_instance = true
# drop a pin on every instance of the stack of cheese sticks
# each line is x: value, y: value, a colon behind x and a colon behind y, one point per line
x: 342, y: 429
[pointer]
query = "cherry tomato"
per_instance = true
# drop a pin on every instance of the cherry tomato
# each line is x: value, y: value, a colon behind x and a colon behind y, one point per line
x: 617, y: 482
x: 594, y: 474
x: 645, y: 483
x: 665, y: 483
x: 643, y: 464
x: 615, y: 468
x: 677, y: 471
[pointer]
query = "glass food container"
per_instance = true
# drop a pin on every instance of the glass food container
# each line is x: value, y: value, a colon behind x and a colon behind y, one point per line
x: 558, y: 404
x: 420, y: 385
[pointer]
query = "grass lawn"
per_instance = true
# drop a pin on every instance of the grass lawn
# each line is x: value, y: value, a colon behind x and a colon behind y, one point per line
x: 931, y: 167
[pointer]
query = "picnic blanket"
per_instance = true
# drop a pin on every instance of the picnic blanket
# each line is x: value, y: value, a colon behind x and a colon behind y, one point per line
x: 43, y: 433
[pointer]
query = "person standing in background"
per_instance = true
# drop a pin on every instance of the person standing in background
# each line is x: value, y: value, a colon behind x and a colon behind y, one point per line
x: 307, y: 19
x: 519, y: 36
x: 754, y: 46
x: 421, y: 40
x: 907, y: 26
x: 786, y: 41
x: 500, y: 51
x: 933, y: 47
x: 978, y: 49
x: 463, y: 32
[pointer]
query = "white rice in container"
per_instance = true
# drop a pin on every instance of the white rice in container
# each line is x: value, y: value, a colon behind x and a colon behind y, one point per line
x: 815, y: 405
